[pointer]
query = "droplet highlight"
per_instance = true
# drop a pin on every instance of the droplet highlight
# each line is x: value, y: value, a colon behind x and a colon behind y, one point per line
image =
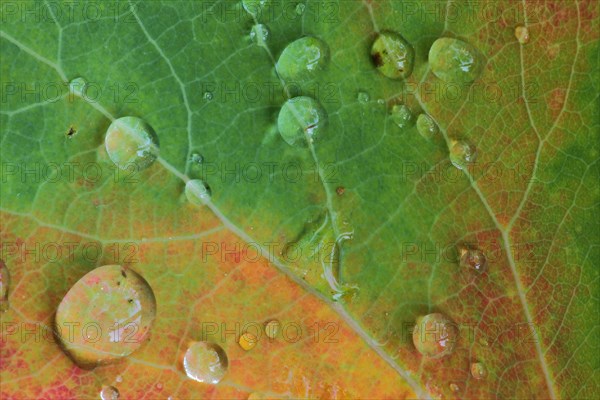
x: 109, y: 393
x: 260, y: 34
x: 462, y: 153
x: 122, y: 306
x: 426, y: 126
x: 205, y: 362
x: 522, y: 34
x: 473, y: 259
x: 435, y: 335
x: 130, y: 140
x: 4, y: 286
x: 197, y: 192
x: 478, y: 370
x: 401, y: 115
x: 302, y: 58
x: 301, y: 121
x: 392, y: 55
x: 453, y: 60
x: 272, y: 328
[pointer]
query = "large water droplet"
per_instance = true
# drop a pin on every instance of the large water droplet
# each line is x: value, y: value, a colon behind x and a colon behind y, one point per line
x: 401, y: 115
x: 426, y: 126
x: 197, y: 192
x: 522, y: 34
x: 131, y: 140
x: 259, y: 34
x: 393, y: 55
x: 272, y: 328
x: 205, y: 362
x: 435, y: 335
x: 453, y: 60
x: 77, y: 86
x: 472, y: 259
x: 462, y: 153
x: 109, y: 393
x: 478, y: 370
x: 302, y: 58
x: 247, y: 341
x: 4, y: 285
x: 301, y: 120
x: 115, y: 308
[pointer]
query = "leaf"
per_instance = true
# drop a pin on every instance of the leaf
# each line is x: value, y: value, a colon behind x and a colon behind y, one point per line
x: 189, y: 69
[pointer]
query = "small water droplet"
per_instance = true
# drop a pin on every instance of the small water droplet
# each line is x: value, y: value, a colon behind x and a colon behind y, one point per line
x: 522, y: 34
x: 300, y: 7
x: 103, y: 295
x: 301, y: 120
x: 205, y: 362
x: 473, y: 259
x: 435, y: 335
x: 4, y: 286
x: 77, y: 86
x: 131, y: 140
x: 254, y: 7
x: 401, y: 115
x: 340, y: 190
x: 426, y: 126
x: 483, y: 341
x: 247, y: 341
x: 453, y: 60
x: 363, y: 97
x: 393, y: 55
x: 196, y: 158
x: 462, y: 153
x: 454, y: 387
x: 478, y: 370
x: 259, y: 34
x: 197, y: 192
x: 208, y: 96
x: 109, y: 393
x: 119, y: 379
x: 272, y: 328
x: 302, y: 58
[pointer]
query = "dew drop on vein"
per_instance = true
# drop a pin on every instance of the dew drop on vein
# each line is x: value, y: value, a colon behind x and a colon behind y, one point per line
x: 4, y: 286
x: 260, y: 34
x: 462, y: 153
x: 302, y: 59
x: 392, y: 55
x: 453, y: 60
x: 401, y: 115
x: 435, y: 335
x: 301, y: 120
x: 197, y: 192
x: 272, y: 328
x: 426, y: 126
x: 254, y: 7
x: 130, y: 140
x: 109, y: 393
x: 78, y: 86
x: 522, y: 34
x: 300, y: 7
x: 205, y: 362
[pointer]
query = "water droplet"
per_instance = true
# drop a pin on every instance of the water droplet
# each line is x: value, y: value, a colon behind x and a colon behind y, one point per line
x: 300, y: 7
x: 208, y: 96
x: 4, y: 284
x: 196, y: 158
x: 301, y: 120
x: 478, y: 370
x: 363, y: 97
x: 462, y: 153
x: 401, y: 115
x: 453, y: 60
x: 340, y: 190
x: 393, y: 55
x: 426, y: 126
x: 122, y: 306
x: 522, y: 34
x: 483, y: 341
x: 109, y: 393
x: 259, y: 34
x: 247, y: 341
x: 435, y: 335
x: 381, y: 101
x: 197, y: 192
x: 119, y: 378
x: 473, y: 259
x: 77, y: 86
x: 454, y: 387
x: 205, y: 362
x: 254, y: 7
x: 302, y: 58
x: 272, y: 328
x: 131, y: 140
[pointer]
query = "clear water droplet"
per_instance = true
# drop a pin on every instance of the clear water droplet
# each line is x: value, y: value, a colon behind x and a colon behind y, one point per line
x: 473, y: 259
x: 462, y: 153
x: 302, y: 58
x: 522, y: 34
x: 454, y: 387
x: 208, y: 96
x: 393, y: 55
x: 122, y: 306
x: 4, y: 286
x: 478, y: 370
x: 254, y: 7
x: 401, y: 115
x: 483, y: 341
x: 301, y: 120
x: 119, y: 379
x: 363, y: 97
x: 196, y: 158
x: 205, y: 362
x: 453, y: 60
x: 197, y: 192
x: 77, y: 86
x: 131, y: 140
x: 260, y: 34
x: 247, y: 341
x: 272, y: 328
x: 300, y: 7
x: 435, y: 335
x: 426, y: 126
x: 109, y: 393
